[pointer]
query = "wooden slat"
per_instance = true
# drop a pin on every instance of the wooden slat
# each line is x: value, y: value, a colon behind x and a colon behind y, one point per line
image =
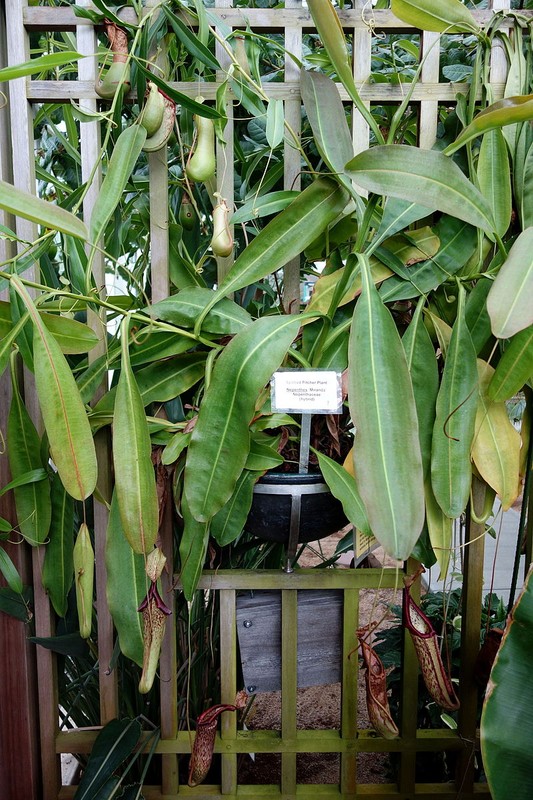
x: 409, y: 701
x: 470, y: 627
x: 291, y: 156
x: 19, y: 723
x: 498, y: 56
x: 362, y: 47
x: 160, y: 285
x: 64, y: 91
x: 90, y: 144
x: 24, y: 178
x: 348, y: 776
x: 228, y: 688
x: 289, y: 655
x: 268, y: 741
x: 299, y: 579
x: 64, y: 19
x: 167, y: 662
x: 225, y: 153
x: 429, y: 109
x: 425, y: 791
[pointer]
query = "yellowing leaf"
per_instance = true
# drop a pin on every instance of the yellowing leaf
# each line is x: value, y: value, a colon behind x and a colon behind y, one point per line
x: 496, y: 444
x: 326, y: 285
x: 414, y: 246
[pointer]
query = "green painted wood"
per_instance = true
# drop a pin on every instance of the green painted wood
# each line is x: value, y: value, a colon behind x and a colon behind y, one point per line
x: 289, y: 657
x: 408, y: 722
x: 426, y: 791
x: 471, y: 623
x: 350, y: 664
x: 305, y: 741
x: 299, y: 579
x: 228, y: 686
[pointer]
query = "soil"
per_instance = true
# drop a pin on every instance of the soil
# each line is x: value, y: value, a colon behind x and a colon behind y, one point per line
x: 318, y: 707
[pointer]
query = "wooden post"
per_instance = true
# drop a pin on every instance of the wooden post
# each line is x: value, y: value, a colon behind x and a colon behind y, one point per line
x: 20, y: 744
x: 20, y: 773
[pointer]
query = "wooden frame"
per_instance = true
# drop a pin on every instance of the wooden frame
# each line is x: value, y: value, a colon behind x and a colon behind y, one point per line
x: 27, y: 671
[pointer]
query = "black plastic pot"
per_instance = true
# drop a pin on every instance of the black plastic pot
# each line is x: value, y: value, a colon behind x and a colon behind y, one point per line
x: 321, y: 514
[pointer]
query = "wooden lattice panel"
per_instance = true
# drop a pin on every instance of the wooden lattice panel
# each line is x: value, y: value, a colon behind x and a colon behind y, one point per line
x: 360, y: 22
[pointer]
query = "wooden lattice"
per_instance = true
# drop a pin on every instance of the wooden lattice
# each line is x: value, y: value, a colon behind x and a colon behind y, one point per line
x: 22, y: 678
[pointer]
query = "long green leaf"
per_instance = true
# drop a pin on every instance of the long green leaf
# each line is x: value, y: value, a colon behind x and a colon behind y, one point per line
x: 134, y: 472
x: 410, y: 173
x: 161, y: 381
x: 10, y: 572
x: 72, y: 336
x: 344, y: 488
x: 228, y: 523
x: 507, y: 111
x: 111, y: 748
x: 32, y: 476
x: 509, y: 300
x: 451, y: 471
x: 39, y: 64
x: 25, y: 205
x: 443, y: 16
x: 507, y: 718
x: 8, y: 339
x: 58, y: 567
x: 331, y: 35
x: 494, y: 175
x: 126, y: 586
x: 263, y: 206
x: 127, y: 150
x: 192, y: 43
x: 32, y: 500
x: 15, y: 604
x: 182, y: 309
x: 327, y: 118
x: 65, y: 420
x: 423, y: 369
x: 387, y: 457
x: 283, y: 238
x: 220, y: 441
x: 514, y: 368
x: 275, y: 123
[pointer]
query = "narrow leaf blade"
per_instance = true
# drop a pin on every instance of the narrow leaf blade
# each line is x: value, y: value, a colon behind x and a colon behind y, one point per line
x: 25, y: 205
x: 453, y: 432
x: 387, y: 457
x: 220, y: 441
x: 134, y: 472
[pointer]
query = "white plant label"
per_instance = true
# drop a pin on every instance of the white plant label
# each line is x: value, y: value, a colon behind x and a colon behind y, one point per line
x: 302, y: 391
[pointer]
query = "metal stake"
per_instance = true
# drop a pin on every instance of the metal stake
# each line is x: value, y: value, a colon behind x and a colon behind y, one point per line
x: 296, y: 500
